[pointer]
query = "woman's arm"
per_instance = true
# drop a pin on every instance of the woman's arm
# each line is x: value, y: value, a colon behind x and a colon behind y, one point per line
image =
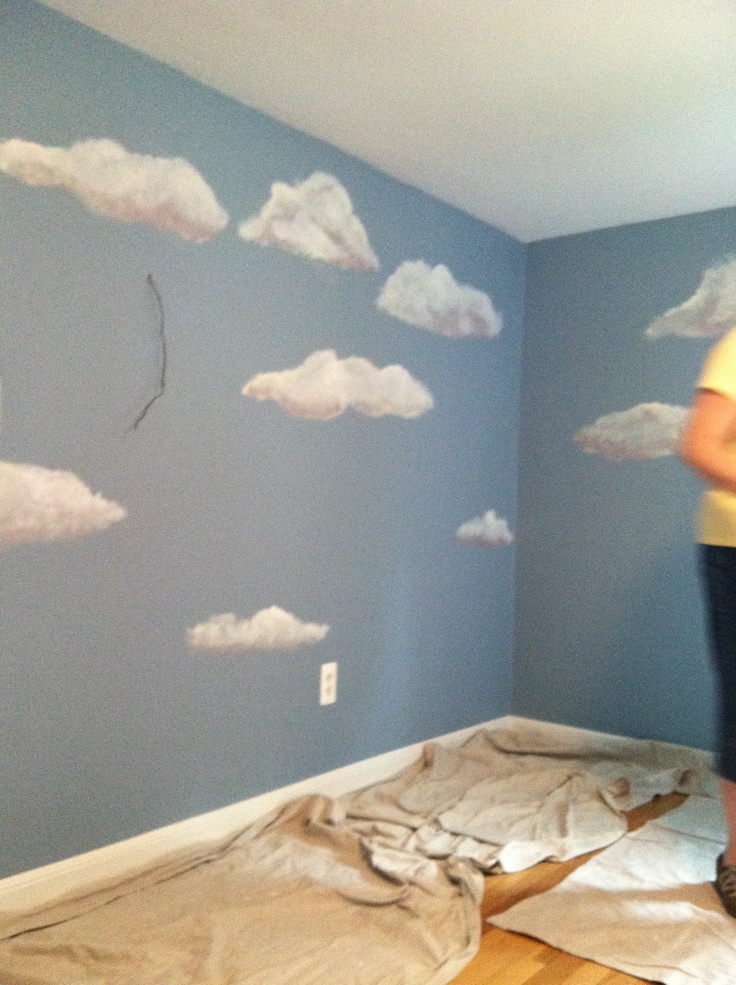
x: 708, y: 443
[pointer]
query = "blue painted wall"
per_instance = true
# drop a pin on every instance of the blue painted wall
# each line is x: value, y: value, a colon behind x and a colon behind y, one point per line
x: 109, y: 724
x: 609, y: 622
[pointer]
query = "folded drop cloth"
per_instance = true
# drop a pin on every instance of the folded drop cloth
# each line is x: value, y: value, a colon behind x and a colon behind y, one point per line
x: 380, y: 887
x: 646, y: 905
x: 552, y: 814
x: 511, y: 797
x: 294, y: 900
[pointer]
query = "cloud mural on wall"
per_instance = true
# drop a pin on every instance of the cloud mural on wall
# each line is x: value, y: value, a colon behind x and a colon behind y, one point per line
x: 168, y: 193
x: 488, y: 530
x: 325, y: 386
x: 643, y: 432
x: 270, y: 629
x: 709, y: 312
x: 38, y: 504
x: 431, y: 298
x: 314, y: 219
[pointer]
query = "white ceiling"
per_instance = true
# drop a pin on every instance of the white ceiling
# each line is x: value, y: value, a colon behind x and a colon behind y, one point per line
x: 541, y: 117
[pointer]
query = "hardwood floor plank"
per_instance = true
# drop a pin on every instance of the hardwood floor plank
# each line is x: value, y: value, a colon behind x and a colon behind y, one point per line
x: 620, y: 978
x: 558, y: 970
x: 499, y: 951
x: 512, y: 959
x: 592, y: 974
x: 520, y: 973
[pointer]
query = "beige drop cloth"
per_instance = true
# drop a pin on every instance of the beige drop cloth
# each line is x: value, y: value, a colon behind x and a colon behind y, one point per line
x: 380, y: 887
x: 511, y: 797
x: 645, y: 906
x: 291, y: 900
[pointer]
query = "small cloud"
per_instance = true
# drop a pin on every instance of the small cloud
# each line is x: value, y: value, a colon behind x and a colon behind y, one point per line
x: 168, y: 193
x: 431, y: 298
x: 269, y: 629
x: 640, y: 433
x: 710, y: 312
x: 314, y: 219
x: 488, y: 530
x: 325, y: 386
x: 47, y: 504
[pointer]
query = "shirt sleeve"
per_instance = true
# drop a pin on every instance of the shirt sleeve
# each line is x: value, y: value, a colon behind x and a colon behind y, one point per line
x: 719, y: 369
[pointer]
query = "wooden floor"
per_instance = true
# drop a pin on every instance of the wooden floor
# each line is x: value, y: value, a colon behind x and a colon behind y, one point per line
x: 511, y: 959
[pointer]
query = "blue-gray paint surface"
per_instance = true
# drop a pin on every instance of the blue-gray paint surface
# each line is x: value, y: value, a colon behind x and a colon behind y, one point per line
x: 609, y: 620
x: 110, y: 724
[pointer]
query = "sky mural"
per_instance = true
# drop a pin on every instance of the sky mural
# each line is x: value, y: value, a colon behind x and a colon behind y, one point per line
x: 488, y: 530
x: 645, y: 431
x: 167, y: 193
x: 324, y: 386
x: 269, y: 629
x: 653, y: 430
x: 431, y: 298
x: 38, y: 504
x: 709, y: 312
x: 313, y: 219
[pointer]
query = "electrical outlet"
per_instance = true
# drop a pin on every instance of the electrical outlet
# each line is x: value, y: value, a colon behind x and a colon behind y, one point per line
x: 328, y: 684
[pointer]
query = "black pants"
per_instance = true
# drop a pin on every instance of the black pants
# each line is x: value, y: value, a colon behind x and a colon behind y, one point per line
x: 718, y: 569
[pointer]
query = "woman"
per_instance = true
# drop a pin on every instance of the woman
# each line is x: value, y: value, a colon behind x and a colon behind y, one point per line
x: 709, y: 447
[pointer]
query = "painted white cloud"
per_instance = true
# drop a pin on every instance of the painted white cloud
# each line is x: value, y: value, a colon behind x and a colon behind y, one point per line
x: 325, y: 386
x: 431, y: 298
x: 710, y: 312
x: 270, y: 629
x: 168, y: 193
x: 314, y: 219
x: 39, y: 504
x: 640, y: 433
x: 488, y: 530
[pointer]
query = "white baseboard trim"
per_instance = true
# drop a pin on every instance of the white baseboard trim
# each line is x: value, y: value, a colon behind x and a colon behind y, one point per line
x: 49, y: 883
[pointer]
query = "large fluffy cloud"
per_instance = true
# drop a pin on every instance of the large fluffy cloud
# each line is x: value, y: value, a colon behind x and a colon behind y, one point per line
x: 314, y: 219
x: 168, y: 193
x: 270, y: 629
x: 48, y: 504
x: 488, y: 530
x: 640, y: 433
x: 710, y: 312
x: 325, y: 386
x: 431, y: 298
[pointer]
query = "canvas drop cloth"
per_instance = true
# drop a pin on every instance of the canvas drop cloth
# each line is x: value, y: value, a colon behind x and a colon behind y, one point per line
x: 294, y: 900
x: 511, y: 797
x: 379, y: 887
x: 646, y: 905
